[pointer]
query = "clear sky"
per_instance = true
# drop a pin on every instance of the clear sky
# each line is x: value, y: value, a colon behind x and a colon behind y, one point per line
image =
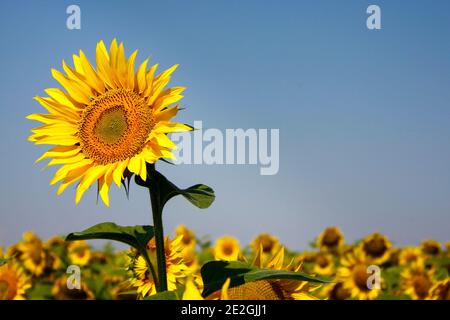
x: 364, y: 116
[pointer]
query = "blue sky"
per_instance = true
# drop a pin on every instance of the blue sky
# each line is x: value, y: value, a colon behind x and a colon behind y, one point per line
x: 363, y: 115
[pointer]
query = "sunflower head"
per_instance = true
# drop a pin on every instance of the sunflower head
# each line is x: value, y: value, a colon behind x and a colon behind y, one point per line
x: 430, y: 247
x: 79, y: 252
x: 416, y: 281
x: 335, y: 291
x: 354, y: 275
x: 376, y: 248
x: 331, y: 239
x: 109, y: 121
x: 188, y: 240
x: 227, y: 248
x: 141, y: 277
x: 410, y: 255
x: 269, y: 244
x: 13, y: 282
x: 323, y: 264
x: 441, y: 290
x: 33, y: 254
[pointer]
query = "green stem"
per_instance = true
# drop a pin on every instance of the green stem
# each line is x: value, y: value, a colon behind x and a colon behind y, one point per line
x: 152, y: 269
x: 159, y: 232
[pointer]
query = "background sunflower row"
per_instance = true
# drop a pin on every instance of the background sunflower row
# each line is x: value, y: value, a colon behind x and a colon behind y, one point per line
x: 36, y: 269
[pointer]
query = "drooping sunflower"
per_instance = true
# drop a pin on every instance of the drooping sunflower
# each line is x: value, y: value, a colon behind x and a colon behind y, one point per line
x: 354, y: 275
x: 227, y: 248
x: 376, y: 248
x: 410, y: 255
x: 79, y: 253
x: 269, y: 244
x: 430, y: 247
x: 176, y: 269
x: 188, y: 237
x: 110, y: 120
x: 331, y: 239
x: 441, y: 290
x: 280, y: 289
x: 13, y: 282
x: 416, y: 281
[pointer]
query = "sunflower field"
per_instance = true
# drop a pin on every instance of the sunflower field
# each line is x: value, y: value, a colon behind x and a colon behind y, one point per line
x: 37, y: 269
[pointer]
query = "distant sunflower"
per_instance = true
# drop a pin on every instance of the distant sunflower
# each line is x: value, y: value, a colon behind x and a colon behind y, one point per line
x: 431, y: 247
x: 79, y: 252
x: 331, y: 239
x: 280, y: 289
x: 33, y: 254
x: 410, y: 255
x: 110, y: 120
x: 376, y: 248
x: 335, y: 291
x: 13, y: 282
x: 176, y: 269
x: 416, y: 281
x: 227, y: 248
x: 354, y: 276
x: 61, y: 291
x: 441, y: 290
x: 269, y: 244
x: 188, y: 240
x: 323, y: 264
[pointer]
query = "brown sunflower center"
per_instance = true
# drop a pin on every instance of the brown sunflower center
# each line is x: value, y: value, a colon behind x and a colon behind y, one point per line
x: 360, y: 277
x: 257, y: 290
x: 421, y: 285
x: 375, y: 247
x: 331, y: 238
x: 339, y: 292
x: 227, y: 248
x: 115, y: 126
x: 267, y: 244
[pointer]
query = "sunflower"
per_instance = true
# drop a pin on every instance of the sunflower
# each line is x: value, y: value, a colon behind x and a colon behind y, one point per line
x: 331, y: 239
x: 279, y: 289
x: 13, y: 282
x: 376, y: 248
x: 61, y: 291
x: 176, y: 269
x: 269, y: 244
x: 109, y: 121
x: 323, y: 264
x: 188, y: 237
x: 79, y: 253
x: 410, y: 255
x: 416, y: 281
x: 441, y: 290
x: 33, y: 254
x: 191, y: 261
x: 227, y: 248
x: 335, y: 291
x: 354, y: 275
x: 430, y: 247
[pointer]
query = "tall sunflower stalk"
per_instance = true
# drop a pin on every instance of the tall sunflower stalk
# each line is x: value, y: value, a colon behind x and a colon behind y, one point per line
x: 110, y: 123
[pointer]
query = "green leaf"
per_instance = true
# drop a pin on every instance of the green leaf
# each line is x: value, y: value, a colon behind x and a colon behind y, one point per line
x: 137, y: 236
x: 215, y: 273
x: 165, y: 295
x: 199, y: 195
